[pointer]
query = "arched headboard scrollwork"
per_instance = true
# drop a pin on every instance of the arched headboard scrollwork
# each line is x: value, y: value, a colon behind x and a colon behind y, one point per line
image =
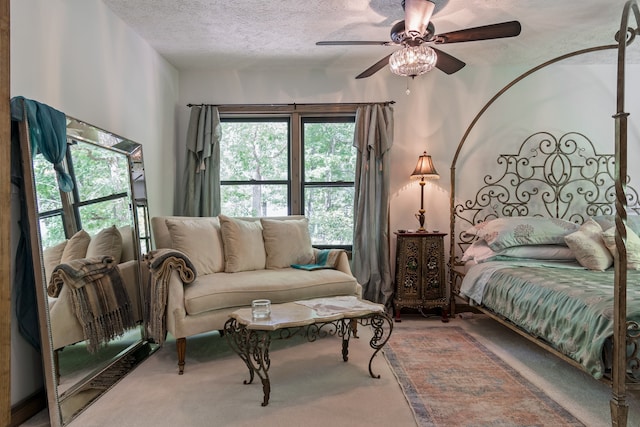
x: 547, y: 176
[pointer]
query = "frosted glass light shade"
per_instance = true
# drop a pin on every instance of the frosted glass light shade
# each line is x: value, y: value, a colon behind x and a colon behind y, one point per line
x: 413, y: 60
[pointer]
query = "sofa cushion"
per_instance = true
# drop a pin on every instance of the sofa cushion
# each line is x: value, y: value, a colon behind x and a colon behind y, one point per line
x: 76, y: 247
x: 199, y: 239
x: 108, y: 242
x: 286, y: 242
x: 243, y: 245
x: 226, y: 290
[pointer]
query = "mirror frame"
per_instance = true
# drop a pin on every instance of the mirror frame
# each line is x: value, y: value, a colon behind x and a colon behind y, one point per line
x: 134, y: 353
x: 5, y: 215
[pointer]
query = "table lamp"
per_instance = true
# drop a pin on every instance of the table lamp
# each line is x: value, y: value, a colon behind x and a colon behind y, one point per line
x: 424, y: 170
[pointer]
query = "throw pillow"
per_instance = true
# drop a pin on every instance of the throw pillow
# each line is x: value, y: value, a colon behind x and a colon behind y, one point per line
x: 608, y: 221
x: 588, y: 246
x: 633, y: 246
x: 76, y: 247
x: 286, y: 242
x: 128, y: 250
x: 243, y: 245
x: 107, y: 242
x: 199, y: 239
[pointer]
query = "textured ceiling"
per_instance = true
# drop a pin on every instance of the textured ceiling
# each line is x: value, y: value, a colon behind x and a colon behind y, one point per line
x: 210, y: 34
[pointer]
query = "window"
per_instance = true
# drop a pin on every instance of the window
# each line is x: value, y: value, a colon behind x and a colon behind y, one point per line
x: 295, y: 163
x: 254, y: 167
x: 328, y: 176
x: 100, y: 196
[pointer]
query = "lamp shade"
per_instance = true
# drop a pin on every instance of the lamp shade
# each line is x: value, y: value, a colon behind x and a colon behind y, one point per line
x: 425, y: 169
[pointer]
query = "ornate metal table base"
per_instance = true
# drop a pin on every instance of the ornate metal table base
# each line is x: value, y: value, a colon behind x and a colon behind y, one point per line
x: 252, y: 345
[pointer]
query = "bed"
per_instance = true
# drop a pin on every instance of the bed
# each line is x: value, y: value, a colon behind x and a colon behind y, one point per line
x: 547, y: 244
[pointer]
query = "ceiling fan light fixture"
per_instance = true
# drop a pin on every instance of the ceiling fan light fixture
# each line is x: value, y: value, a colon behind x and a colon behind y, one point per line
x: 412, y: 61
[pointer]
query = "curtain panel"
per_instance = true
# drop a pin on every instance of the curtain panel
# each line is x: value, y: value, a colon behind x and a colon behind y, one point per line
x: 202, y: 170
x: 373, y: 139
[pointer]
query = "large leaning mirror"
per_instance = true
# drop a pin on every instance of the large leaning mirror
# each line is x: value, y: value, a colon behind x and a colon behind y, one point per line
x: 87, y: 244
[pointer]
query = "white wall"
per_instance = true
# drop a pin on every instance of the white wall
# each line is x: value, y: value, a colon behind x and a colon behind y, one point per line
x: 78, y: 57
x: 435, y: 115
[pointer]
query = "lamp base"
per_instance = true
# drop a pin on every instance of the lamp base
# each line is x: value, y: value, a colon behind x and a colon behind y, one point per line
x: 420, y: 218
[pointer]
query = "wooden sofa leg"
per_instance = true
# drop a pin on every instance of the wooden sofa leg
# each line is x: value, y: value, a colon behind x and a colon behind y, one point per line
x: 181, y: 346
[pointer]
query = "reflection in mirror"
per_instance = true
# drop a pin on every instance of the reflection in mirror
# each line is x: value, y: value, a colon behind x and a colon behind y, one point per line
x: 90, y: 242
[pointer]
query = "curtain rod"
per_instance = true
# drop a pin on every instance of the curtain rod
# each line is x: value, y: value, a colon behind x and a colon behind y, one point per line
x: 288, y: 105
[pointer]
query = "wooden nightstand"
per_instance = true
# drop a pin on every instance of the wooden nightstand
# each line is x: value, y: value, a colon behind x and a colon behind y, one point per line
x: 420, y: 273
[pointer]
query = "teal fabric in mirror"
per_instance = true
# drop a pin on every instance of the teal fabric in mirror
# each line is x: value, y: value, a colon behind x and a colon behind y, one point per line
x: 48, y: 134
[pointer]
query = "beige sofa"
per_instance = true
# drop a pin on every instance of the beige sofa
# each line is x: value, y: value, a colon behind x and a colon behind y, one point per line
x: 118, y: 243
x: 238, y: 260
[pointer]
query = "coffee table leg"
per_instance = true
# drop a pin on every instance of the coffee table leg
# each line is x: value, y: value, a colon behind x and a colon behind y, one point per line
x: 379, y: 338
x: 347, y: 330
x: 253, y: 348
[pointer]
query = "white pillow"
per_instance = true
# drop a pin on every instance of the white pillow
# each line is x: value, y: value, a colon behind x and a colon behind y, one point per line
x: 107, y: 242
x: 286, y: 242
x: 243, y: 245
x: 479, y: 251
x: 200, y: 239
x: 633, y: 246
x: 588, y: 246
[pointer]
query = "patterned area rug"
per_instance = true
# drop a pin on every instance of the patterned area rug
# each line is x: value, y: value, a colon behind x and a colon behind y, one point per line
x: 451, y: 379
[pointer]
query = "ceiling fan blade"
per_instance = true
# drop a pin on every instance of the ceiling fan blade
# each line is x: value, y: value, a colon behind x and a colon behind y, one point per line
x: 485, y: 32
x: 353, y: 42
x: 417, y: 16
x: 447, y: 63
x: 374, y: 68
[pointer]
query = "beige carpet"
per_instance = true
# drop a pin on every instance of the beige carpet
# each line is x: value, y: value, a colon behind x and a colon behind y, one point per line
x: 311, y: 386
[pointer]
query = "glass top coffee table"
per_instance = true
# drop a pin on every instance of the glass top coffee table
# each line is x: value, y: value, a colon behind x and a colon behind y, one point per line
x: 250, y: 338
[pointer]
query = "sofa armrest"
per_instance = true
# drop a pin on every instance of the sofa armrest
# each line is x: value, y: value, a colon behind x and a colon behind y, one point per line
x: 343, y: 263
x: 169, y: 271
x: 175, y: 303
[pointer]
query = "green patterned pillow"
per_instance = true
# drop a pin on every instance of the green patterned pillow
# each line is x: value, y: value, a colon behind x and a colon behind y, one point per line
x: 502, y: 233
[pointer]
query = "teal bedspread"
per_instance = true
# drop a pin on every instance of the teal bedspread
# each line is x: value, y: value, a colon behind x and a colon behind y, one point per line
x: 571, y: 309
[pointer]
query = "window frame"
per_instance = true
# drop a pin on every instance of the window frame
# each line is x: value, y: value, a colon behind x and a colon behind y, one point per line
x: 296, y: 115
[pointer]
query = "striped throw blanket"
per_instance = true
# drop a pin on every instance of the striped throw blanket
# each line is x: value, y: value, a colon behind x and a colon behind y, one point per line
x: 98, y: 296
x: 161, y: 263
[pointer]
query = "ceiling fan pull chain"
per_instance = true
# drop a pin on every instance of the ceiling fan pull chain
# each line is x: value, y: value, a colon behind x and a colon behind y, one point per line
x: 408, y: 92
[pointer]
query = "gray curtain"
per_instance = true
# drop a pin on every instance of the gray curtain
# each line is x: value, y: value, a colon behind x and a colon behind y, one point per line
x: 373, y: 139
x: 202, y: 171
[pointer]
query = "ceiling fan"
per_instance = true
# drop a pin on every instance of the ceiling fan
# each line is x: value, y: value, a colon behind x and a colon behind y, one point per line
x: 415, y: 32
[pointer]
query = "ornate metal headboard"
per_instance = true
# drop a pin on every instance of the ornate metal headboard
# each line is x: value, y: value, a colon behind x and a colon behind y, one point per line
x: 548, y: 177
